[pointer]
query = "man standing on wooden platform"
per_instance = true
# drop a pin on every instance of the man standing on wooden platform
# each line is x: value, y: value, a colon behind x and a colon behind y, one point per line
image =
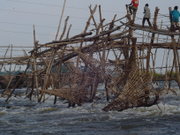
x: 175, y: 14
x: 147, y: 15
x: 133, y: 7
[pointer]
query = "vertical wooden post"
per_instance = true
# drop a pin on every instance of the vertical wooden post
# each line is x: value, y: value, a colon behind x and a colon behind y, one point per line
x: 65, y: 26
x: 67, y: 35
x: 176, y: 61
x: 11, y: 53
x: 46, y: 79
x: 152, y: 39
x: 5, y: 57
x: 60, y: 21
x: 34, y: 74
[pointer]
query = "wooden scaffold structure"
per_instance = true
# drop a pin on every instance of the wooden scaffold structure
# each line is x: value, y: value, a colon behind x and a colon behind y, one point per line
x: 72, y: 68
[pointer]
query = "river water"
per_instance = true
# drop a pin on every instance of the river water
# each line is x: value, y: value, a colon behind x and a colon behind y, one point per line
x: 23, y: 117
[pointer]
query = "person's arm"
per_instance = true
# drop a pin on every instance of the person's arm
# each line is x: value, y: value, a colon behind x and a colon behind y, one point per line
x: 130, y: 3
x: 171, y: 13
x: 144, y: 10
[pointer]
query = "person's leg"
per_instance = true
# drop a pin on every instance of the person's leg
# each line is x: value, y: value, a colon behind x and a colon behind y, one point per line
x: 130, y: 9
x: 173, y: 24
x: 173, y: 27
x: 177, y: 24
x: 134, y: 13
x: 149, y: 22
x: 143, y: 21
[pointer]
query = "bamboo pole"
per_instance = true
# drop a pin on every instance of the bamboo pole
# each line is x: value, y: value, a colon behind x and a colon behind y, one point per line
x: 86, y: 28
x: 65, y: 26
x: 152, y: 39
x: 4, y: 57
x: 35, y: 76
x: 176, y: 61
x: 46, y: 79
x: 60, y: 21
x: 67, y: 36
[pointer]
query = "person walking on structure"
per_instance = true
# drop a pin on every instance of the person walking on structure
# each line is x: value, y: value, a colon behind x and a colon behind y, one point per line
x: 133, y: 6
x: 147, y: 15
x: 175, y: 14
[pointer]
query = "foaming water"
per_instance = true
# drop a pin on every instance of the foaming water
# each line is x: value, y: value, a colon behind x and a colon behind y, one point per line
x: 23, y: 117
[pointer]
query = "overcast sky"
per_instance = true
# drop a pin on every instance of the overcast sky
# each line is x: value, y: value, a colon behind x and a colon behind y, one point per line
x: 18, y: 16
